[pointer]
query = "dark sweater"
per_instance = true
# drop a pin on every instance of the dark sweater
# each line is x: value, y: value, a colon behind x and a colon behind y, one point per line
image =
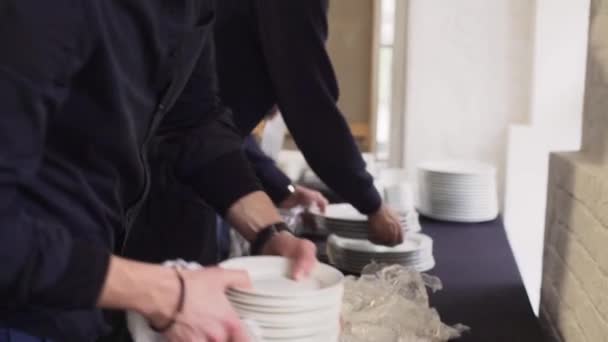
x: 85, y: 86
x: 273, y: 52
x: 275, y: 182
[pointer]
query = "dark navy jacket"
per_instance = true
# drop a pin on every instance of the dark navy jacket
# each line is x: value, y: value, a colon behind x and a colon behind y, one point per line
x: 274, y: 181
x: 85, y: 90
x: 273, y: 52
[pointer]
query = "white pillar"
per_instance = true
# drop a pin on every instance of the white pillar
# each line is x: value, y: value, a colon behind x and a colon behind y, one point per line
x: 558, y: 82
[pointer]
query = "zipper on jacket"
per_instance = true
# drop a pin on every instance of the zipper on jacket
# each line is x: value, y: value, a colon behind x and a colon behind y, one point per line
x: 171, y: 95
x: 134, y: 209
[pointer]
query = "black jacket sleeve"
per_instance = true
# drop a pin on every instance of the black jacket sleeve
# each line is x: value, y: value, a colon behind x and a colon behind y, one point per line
x: 43, y: 45
x: 274, y: 181
x: 293, y: 35
x: 211, y: 158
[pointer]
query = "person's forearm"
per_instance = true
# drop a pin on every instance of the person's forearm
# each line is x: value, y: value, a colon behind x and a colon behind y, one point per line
x: 275, y: 182
x: 151, y: 290
x: 252, y: 213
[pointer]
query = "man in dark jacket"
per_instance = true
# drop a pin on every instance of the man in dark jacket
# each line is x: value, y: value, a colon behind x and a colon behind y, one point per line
x: 86, y: 89
x: 272, y: 52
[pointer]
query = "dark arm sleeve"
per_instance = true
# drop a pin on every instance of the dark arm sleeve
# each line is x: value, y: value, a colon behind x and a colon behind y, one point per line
x: 293, y: 35
x: 43, y: 45
x: 211, y: 157
x: 274, y: 181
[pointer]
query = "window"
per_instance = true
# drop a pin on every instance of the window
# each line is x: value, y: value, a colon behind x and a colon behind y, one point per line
x: 386, y: 28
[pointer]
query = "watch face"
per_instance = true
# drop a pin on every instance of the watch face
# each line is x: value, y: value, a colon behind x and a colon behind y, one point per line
x: 291, y: 188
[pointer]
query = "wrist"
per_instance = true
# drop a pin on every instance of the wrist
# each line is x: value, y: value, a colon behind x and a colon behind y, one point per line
x: 161, y: 298
x: 277, y: 243
x: 378, y: 211
x: 252, y: 213
x: 266, y: 236
x: 150, y: 290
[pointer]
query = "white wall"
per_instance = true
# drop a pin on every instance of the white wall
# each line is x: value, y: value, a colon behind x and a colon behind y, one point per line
x: 500, y: 81
x: 558, y: 83
x: 468, y: 78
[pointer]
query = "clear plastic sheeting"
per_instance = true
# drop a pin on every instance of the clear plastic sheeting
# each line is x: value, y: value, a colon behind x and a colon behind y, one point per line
x: 391, y: 304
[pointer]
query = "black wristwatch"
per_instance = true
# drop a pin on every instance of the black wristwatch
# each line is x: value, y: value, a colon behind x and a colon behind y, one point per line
x: 265, y: 235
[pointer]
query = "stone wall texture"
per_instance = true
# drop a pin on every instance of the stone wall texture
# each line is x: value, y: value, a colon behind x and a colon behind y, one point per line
x: 574, y: 300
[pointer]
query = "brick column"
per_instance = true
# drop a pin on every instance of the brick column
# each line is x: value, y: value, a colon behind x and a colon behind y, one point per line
x: 574, y: 300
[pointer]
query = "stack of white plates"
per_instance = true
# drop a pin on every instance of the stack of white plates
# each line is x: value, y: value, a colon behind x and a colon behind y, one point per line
x: 345, y: 221
x: 286, y: 310
x: 352, y: 255
x: 457, y: 191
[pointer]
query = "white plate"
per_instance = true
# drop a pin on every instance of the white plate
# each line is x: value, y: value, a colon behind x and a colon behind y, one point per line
x: 416, y: 256
x: 458, y: 199
x: 459, y: 218
x: 293, y: 320
x: 411, y: 243
x: 271, y: 277
x: 325, y: 337
x: 453, y: 189
x: 482, y: 179
x: 351, y: 258
x: 282, y: 309
x: 458, y: 210
x: 459, y: 167
x: 460, y: 189
x: 272, y: 334
x: 296, y: 302
x: 341, y: 211
x: 419, y: 268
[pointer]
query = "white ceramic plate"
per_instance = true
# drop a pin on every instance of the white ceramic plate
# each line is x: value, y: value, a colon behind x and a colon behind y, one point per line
x: 459, y: 207
x: 293, y: 320
x: 271, y: 277
x: 325, y: 337
x: 482, y: 179
x: 295, y: 304
x: 411, y: 243
x: 357, y: 268
x: 282, y: 309
x: 341, y: 211
x: 460, y: 167
x: 459, y: 218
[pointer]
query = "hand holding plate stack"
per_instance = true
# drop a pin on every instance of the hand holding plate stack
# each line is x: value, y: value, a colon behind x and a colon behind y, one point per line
x: 349, y: 249
x: 345, y: 221
x: 285, y: 309
x: 352, y: 255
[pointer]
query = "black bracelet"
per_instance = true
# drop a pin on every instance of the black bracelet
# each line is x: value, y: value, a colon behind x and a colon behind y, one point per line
x: 265, y: 235
x: 180, y: 305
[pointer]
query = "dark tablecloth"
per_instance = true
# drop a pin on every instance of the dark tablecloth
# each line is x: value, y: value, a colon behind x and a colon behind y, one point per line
x: 482, y: 285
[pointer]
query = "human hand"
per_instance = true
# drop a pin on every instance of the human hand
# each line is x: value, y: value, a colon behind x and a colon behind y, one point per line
x: 301, y: 252
x: 385, y: 227
x: 207, y: 314
x: 305, y: 197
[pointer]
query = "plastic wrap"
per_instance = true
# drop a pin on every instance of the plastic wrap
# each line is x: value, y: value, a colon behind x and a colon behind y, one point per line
x: 391, y: 304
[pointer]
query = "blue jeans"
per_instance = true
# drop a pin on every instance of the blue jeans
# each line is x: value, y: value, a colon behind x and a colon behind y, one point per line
x: 8, y: 335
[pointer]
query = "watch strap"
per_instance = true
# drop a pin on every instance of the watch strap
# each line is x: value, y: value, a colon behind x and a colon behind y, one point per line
x: 266, y: 235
